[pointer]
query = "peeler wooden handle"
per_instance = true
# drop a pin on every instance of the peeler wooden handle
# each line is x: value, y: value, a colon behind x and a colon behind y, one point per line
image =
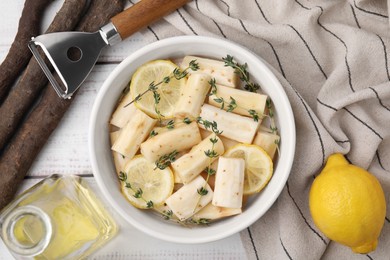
x: 142, y: 14
x: 72, y: 73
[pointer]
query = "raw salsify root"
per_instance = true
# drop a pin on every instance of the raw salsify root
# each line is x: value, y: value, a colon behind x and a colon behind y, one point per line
x: 19, y: 54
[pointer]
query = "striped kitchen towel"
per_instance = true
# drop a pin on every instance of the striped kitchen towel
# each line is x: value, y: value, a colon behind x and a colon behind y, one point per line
x: 332, y: 58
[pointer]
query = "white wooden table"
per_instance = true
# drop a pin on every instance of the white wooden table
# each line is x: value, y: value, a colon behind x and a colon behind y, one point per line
x: 66, y: 152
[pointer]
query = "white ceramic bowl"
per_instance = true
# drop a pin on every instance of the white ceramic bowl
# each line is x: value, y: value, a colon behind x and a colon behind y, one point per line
x: 99, y: 145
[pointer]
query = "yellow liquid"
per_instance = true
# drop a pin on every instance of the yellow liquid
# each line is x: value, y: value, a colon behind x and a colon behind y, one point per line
x: 80, y: 224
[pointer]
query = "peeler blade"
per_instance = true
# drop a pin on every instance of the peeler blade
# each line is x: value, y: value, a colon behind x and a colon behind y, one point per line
x: 72, y: 55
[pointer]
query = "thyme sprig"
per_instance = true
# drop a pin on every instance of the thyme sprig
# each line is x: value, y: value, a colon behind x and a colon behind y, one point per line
x: 138, y: 193
x: 177, y: 73
x: 242, y: 72
x: 208, y: 125
x: 168, y: 215
x: 210, y: 153
x: 166, y: 160
x: 232, y: 103
x: 157, y: 99
x: 201, y: 221
x: 277, y: 142
x: 273, y: 127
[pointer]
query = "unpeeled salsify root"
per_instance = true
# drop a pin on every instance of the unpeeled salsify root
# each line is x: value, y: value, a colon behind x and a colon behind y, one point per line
x: 19, y: 54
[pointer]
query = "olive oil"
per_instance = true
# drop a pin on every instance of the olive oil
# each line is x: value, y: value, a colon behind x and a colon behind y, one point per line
x: 58, y: 218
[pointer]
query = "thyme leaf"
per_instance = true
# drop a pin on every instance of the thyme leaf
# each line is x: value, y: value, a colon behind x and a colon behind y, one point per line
x: 167, y: 214
x: 153, y: 133
x: 202, y: 191
x: 219, y: 100
x: 171, y: 124
x: 166, y: 79
x: 213, y: 86
x: 232, y: 105
x: 213, y: 140
x: 122, y: 176
x: 166, y: 160
x: 138, y: 193
x: 211, y: 153
x: 254, y: 115
x: 193, y: 65
x: 149, y: 204
x: 187, y: 121
x: 210, y: 171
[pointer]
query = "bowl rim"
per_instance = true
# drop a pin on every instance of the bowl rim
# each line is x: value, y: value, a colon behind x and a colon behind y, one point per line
x: 290, y: 150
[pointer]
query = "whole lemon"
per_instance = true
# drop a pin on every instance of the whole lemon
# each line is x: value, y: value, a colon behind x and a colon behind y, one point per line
x: 348, y: 205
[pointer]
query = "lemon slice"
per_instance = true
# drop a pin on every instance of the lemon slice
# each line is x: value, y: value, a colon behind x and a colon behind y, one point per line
x: 155, y: 185
x: 258, y: 166
x: 155, y: 71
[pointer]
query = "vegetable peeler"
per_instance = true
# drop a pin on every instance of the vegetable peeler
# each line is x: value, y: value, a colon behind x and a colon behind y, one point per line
x: 73, y: 54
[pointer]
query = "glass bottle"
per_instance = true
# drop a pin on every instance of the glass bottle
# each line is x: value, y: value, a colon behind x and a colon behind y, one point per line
x: 58, y: 218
